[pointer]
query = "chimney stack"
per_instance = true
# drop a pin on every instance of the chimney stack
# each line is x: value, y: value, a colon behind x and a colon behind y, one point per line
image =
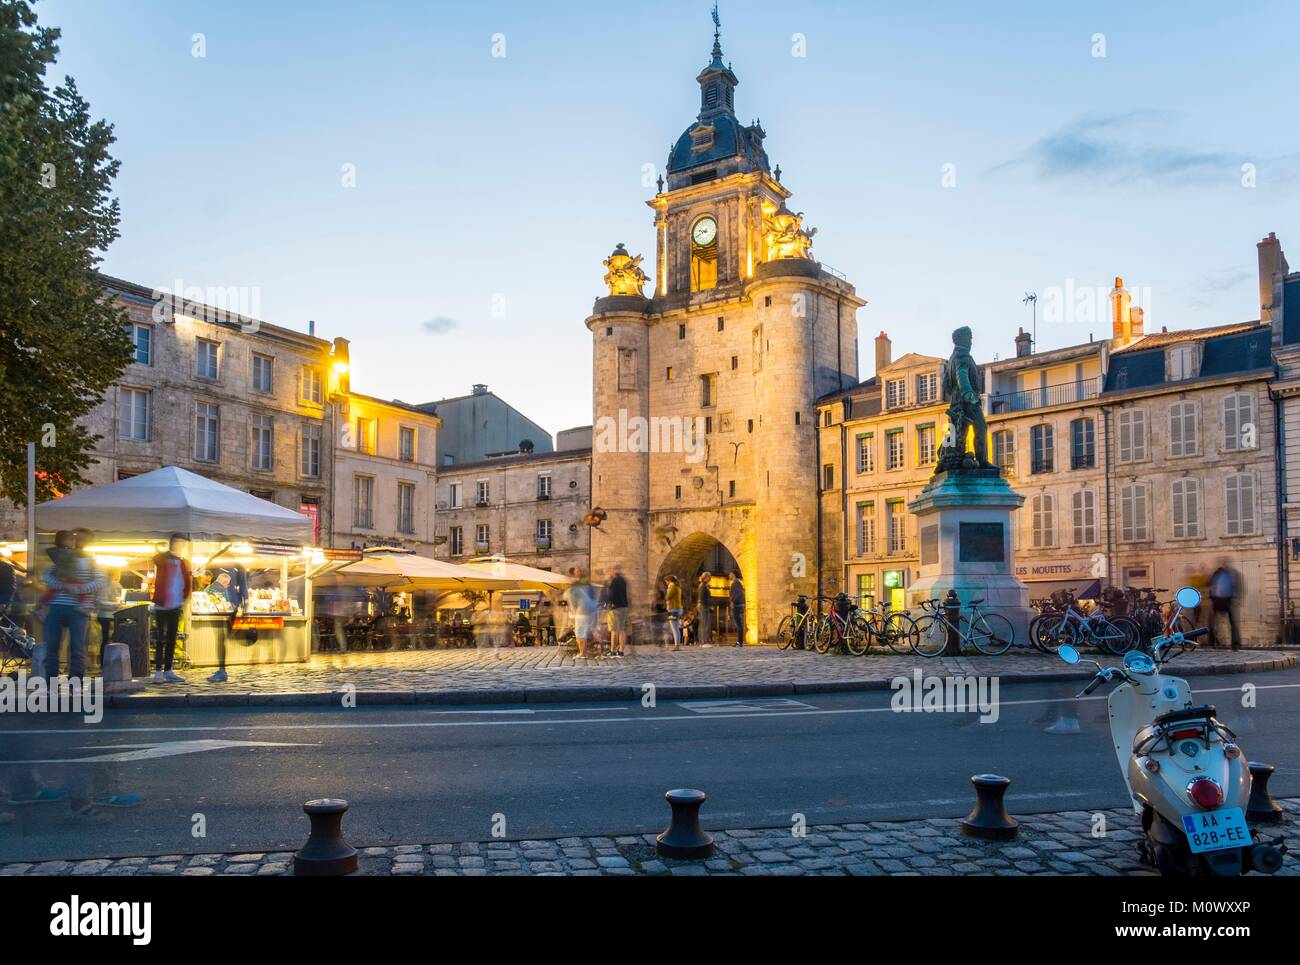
x: 342, y: 363
x: 884, y: 352
x: 1024, y: 344
x: 1272, y: 261
x: 1126, y: 321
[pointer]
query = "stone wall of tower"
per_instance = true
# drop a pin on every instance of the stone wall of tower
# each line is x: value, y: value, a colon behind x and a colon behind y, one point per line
x: 619, y: 471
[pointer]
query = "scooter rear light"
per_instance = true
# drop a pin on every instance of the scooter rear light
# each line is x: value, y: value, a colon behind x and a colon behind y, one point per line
x: 1205, y: 792
x: 1151, y: 764
x: 1231, y: 751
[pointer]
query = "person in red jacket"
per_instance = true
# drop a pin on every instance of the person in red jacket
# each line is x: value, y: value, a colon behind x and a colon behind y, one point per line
x: 171, y: 588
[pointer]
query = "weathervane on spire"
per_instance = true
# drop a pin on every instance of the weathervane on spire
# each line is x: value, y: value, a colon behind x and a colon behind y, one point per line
x: 717, y: 30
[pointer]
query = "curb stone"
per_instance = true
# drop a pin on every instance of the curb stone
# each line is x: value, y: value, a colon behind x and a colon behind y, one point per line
x: 615, y: 692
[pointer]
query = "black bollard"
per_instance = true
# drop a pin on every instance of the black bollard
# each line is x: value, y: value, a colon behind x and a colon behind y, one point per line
x: 1261, y: 808
x: 684, y: 837
x: 325, y: 853
x: 990, y: 819
x: 952, y: 611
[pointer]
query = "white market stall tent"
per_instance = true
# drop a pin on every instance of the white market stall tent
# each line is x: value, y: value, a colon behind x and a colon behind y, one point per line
x: 252, y: 561
x: 170, y: 500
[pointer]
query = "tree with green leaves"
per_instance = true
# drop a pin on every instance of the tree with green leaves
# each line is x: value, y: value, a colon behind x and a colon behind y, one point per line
x: 62, y: 342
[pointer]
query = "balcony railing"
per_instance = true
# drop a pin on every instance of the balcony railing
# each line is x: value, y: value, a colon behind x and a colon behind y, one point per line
x: 1044, y: 396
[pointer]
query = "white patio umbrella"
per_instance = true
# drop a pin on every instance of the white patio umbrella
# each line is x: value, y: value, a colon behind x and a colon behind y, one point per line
x: 409, y: 571
x: 519, y: 575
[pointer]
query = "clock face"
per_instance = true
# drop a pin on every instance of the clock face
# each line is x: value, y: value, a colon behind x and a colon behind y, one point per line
x: 705, y: 230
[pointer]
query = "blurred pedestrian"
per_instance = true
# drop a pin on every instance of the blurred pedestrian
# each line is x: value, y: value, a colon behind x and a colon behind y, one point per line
x: 673, y: 606
x: 582, y: 605
x: 616, y: 597
x: 1223, y: 602
x: 704, y: 610
x: 172, y: 586
x: 736, y: 593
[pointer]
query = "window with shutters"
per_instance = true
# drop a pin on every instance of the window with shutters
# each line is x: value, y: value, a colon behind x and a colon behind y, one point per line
x: 1239, y: 430
x: 1182, y: 362
x: 1132, y: 430
x: 1004, y: 451
x: 925, y: 451
x: 894, y: 449
x: 1042, y: 509
x: 1185, y: 508
x: 897, y: 527
x: 1083, y: 513
x: 866, y: 454
x: 456, y: 540
x: 1042, y: 449
x: 1134, y: 513
x: 866, y: 529
x: 1184, y: 429
x: 1083, y: 444
x: 1240, y: 505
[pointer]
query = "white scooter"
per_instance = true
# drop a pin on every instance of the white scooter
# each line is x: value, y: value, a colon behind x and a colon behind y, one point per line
x: 1188, y: 779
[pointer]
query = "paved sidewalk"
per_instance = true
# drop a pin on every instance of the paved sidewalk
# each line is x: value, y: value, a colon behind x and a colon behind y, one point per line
x: 1049, y: 844
x: 548, y: 674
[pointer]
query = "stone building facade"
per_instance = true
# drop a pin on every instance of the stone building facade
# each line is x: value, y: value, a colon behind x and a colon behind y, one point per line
x: 705, y: 390
x: 258, y: 407
x: 1279, y: 294
x: 1144, y: 460
x: 528, y: 506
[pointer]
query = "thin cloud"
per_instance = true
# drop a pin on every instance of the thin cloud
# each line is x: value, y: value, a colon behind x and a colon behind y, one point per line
x: 440, y: 325
x: 1118, y: 147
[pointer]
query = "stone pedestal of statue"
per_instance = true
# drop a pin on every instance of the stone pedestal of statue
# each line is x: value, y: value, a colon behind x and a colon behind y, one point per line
x: 964, y: 516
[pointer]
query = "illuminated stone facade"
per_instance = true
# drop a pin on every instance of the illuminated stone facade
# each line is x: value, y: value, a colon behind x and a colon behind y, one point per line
x: 704, y: 407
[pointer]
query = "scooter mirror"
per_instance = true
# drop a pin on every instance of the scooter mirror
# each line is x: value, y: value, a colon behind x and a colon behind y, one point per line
x: 1189, y: 598
x: 1068, y: 653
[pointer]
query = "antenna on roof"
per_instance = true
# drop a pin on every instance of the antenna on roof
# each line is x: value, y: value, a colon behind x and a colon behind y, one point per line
x: 1031, y: 299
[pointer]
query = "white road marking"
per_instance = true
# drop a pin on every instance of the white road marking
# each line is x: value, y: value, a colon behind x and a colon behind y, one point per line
x: 727, y: 706
x: 148, y: 752
x: 640, y: 718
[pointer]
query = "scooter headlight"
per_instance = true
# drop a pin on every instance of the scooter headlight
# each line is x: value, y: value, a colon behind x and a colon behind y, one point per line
x: 1205, y: 792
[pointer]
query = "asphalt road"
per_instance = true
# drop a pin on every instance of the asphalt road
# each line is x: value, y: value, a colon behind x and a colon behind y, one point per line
x: 417, y: 774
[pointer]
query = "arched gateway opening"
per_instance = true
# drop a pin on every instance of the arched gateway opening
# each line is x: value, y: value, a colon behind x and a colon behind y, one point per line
x: 696, y: 554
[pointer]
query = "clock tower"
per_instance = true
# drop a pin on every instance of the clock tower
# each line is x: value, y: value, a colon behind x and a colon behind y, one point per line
x: 720, y: 364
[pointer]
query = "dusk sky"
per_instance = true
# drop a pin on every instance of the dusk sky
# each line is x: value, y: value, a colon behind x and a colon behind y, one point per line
x: 485, y: 181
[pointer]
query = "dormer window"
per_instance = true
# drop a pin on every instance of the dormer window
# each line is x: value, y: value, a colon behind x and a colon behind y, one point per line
x: 1182, y: 363
x: 895, y: 393
x: 702, y: 138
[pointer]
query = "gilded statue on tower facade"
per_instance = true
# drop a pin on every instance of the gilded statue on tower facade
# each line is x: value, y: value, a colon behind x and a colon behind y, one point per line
x: 623, y: 273
x: 784, y: 234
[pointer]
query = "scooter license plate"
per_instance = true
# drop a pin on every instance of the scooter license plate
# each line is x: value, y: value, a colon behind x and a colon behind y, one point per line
x: 1214, y: 830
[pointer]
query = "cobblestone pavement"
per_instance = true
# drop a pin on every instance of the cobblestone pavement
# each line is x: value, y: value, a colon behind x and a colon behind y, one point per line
x: 549, y: 673
x: 1048, y: 844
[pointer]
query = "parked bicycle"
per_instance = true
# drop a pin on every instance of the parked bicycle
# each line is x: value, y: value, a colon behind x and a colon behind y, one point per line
x: 793, y: 629
x: 990, y: 633
x: 842, y: 624
x: 1049, y: 630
